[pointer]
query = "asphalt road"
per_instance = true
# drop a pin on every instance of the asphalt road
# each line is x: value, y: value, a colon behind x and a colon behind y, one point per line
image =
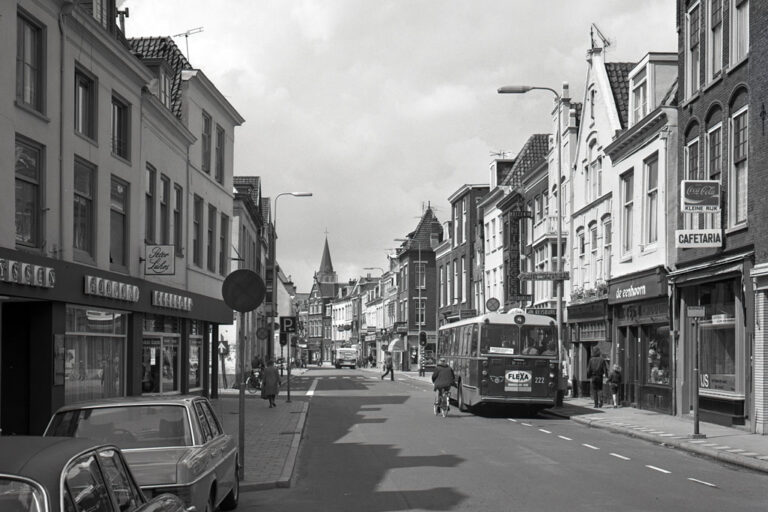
x: 376, y: 446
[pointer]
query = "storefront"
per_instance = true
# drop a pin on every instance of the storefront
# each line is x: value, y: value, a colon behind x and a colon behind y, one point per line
x: 588, y: 327
x: 71, y: 332
x: 643, y: 345
x: 725, y: 338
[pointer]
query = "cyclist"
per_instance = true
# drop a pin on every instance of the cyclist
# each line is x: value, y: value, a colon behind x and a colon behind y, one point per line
x: 443, y: 378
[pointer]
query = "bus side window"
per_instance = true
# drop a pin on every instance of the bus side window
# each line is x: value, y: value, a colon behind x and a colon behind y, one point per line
x: 462, y: 341
x: 473, y: 340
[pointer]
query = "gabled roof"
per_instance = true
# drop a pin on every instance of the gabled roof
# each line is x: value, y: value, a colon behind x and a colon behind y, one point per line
x: 165, y: 49
x: 250, y: 185
x: 670, y: 97
x: 618, y: 77
x: 534, y: 150
x: 422, y: 235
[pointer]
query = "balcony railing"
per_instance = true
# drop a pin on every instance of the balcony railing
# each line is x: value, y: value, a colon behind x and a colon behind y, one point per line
x: 545, y: 227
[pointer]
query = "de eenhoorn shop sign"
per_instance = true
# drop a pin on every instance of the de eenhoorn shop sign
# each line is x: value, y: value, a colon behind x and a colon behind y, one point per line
x: 639, y: 288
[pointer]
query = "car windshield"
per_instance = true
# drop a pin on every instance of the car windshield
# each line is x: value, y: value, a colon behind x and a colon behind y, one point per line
x: 135, y: 426
x: 19, y: 495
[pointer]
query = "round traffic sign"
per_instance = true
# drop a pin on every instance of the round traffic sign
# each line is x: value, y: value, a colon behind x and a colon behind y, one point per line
x: 243, y: 290
x: 492, y: 304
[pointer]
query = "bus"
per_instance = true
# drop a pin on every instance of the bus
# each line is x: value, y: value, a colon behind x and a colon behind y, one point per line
x: 503, y: 358
x: 346, y: 357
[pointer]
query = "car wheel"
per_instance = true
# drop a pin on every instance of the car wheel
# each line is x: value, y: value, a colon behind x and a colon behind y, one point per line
x: 230, y: 501
x: 460, y: 400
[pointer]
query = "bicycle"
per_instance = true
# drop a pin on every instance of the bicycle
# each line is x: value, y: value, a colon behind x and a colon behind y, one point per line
x: 253, y: 383
x: 443, y: 404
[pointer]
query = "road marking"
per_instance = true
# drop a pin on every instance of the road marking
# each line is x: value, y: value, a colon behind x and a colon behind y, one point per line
x: 620, y: 456
x: 311, y: 390
x: 590, y: 446
x: 512, y: 420
x: 566, y: 438
x: 545, y: 431
x: 702, y: 482
x: 526, y: 424
x: 657, y: 469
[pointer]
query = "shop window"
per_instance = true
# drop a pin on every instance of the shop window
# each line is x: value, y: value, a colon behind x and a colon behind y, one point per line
x: 657, y: 361
x: 94, y: 343
x: 717, y: 352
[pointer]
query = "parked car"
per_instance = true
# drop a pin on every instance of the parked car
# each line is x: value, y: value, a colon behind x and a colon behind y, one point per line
x: 59, y: 474
x: 172, y: 444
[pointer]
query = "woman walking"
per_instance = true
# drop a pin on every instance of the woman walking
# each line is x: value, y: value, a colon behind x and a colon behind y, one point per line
x: 614, y: 381
x: 270, y: 383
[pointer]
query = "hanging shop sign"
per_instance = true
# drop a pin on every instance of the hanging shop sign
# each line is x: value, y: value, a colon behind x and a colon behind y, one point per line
x: 159, y: 260
x: 545, y: 276
x: 19, y: 272
x: 520, y: 214
x: 698, y: 238
x: 171, y: 301
x: 700, y: 196
x: 101, y: 287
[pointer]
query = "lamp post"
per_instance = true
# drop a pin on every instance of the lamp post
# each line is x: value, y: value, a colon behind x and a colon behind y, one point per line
x: 522, y: 89
x: 274, y: 283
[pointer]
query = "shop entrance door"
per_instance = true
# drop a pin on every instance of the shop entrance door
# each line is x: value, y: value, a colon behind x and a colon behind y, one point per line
x: 634, y: 364
x: 160, y: 359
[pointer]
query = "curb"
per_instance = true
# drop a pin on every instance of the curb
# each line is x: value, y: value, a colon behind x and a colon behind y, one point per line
x: 680, y: 444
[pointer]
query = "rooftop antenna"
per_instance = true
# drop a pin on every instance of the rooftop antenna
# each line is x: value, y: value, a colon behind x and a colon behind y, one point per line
x: 501, y: 154
x: 186, y: 36
x: 593, y: 30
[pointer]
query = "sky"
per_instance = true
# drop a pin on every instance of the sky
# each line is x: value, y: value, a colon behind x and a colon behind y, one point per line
x: 381, y: 107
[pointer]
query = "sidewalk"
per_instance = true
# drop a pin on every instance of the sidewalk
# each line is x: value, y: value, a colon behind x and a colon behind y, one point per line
x: 272, y: 436
x: 727, y: 444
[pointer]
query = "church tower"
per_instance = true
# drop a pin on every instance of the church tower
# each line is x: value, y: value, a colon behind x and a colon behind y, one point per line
x: 326, y: 274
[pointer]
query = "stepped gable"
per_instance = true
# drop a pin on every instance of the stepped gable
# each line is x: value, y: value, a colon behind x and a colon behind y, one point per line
x: 618, y: 77
x: 164, y: 48
x: 533, y: 152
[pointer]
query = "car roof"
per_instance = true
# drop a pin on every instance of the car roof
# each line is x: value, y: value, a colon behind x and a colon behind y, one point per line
x: 132, y: 400
x: 42, y: 458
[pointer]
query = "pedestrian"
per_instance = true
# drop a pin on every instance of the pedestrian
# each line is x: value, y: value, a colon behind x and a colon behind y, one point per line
x: 421, y: 366
x: 595, y: 373
x: 614, y: 381
x: 390, y: 370
x: 270, y: 383
x: 370, y: 360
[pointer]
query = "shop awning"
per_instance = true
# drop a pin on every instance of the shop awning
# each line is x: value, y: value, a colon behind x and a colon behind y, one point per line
x: 397, y: 345
x: 708, y: 271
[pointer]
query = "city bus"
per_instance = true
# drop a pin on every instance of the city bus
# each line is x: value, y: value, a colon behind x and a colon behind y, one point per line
x: 503, y: 358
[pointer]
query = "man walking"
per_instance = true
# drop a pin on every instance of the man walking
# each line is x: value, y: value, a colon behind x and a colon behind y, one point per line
x: 388, y: 366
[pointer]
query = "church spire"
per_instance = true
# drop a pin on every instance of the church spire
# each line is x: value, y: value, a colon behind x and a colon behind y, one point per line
x: 326, y: 267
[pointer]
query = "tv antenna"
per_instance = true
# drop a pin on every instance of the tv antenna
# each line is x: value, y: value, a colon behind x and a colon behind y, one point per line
x: 501, y: 154
x: 186, y: 36
x: 593, y: 30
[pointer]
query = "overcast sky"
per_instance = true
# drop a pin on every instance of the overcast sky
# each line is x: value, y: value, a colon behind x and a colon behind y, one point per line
x: 379, y: 107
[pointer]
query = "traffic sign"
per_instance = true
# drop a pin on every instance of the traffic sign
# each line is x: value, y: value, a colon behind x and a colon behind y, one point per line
x: 696, y: 312
x: 492, y: 304
x: 288, y: 324
x: 243, y: 290
x: 262, y: 333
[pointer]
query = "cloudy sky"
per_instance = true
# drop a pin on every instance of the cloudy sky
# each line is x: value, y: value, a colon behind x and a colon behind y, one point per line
x: 379, y: 107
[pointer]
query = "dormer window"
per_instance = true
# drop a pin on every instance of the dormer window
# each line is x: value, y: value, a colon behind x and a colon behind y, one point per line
x: 639, y: 96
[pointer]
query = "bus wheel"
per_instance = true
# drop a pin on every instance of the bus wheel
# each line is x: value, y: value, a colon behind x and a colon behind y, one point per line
x: 460, y: 400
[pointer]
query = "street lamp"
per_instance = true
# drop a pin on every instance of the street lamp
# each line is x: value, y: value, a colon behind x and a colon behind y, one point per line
x: 522, y: 89
x: 270, y: 347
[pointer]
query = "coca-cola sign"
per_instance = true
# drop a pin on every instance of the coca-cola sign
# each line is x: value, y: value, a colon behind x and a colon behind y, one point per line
x: 700, y: 196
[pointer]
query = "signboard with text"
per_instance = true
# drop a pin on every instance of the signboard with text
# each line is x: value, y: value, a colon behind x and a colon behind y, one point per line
x: 160, y: 260
x: 700, y: 196
x: 698, y: 238
x: 545, y: 276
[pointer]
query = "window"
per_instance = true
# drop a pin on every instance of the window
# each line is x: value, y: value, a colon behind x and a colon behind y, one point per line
x: 739, y: 30
x: 692, y: 160
x: 85, y: 105
x: 29, y: 63
x: 118, y: 223
x: 455, y: 225
x: 652, y: 200
x: 715, y: 43
x: 29, y: 168
x: 456, y: 283
x: 442, y: 285
x: 83, y: 207
x: 206, y: 142
x: 421, y: 276
x: 464, y: 291
x: 464, y: 219
x: 692, y: 50
x: 421, y: 316
x: 607, y: 238
x: 165, y: 213
x: 178, y: 225
x: 593, y: 252
x: 487, y: 238
x: 738, y: 179
x: 627, y: 191
x: 165, y: 88
x: 211, y: 246
x: 100, y: 11
x: 493, y: 234
x: 714, y: 152
x: 223, y: 232
x: 149, y: 205
x: 592, y: 96
x: 639, y: 97
x: 120, y: 128
x: 197, y: 231
x: 220, y: 147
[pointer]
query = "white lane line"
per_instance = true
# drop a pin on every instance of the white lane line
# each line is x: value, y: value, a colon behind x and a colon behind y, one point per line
x: 702, y: 482
x: 311, y: 390
x: 512, y: 420
x: 662, y: 435
x: 735, y: 450
x: 657, y: 469
x: 750, y: 454
x: 590, y: 446
x: 698, y: 441
x: 545, y: 431
x: 566, y: 438
x: 620, y: 456
x: 526, y: 424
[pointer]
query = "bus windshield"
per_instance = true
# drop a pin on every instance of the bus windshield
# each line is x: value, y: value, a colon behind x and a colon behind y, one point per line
x: 539, y: 340
x: 512, y: 339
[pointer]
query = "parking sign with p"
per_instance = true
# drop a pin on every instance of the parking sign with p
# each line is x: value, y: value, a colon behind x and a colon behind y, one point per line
x: 288, y: 324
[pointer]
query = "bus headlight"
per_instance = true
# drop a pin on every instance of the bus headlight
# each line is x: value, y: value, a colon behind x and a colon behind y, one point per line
x: 551, y: 375
x: 485, y: 372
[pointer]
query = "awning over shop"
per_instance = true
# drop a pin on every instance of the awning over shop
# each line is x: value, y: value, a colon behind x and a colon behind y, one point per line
x: 721, y: 268
x: 397, y: 345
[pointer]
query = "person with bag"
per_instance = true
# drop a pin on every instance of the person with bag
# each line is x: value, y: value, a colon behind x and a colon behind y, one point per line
x: 614, y: 381
x: 595, y: 373
x: 390, y: 370
x: 270, y: 383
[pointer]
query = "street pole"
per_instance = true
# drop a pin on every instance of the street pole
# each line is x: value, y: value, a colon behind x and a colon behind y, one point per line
x: 241, y: 398
x: 696, y: 332
x: 289, y: 340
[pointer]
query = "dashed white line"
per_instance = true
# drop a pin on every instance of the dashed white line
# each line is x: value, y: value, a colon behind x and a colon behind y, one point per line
x: 702, y: 482
x: 545, y: 431
x: 566, y: 438
x: 657, y: 469
x: 526, y: 424
x: 590, y: 446
x: 620, y: 456
x: 512, y: 420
